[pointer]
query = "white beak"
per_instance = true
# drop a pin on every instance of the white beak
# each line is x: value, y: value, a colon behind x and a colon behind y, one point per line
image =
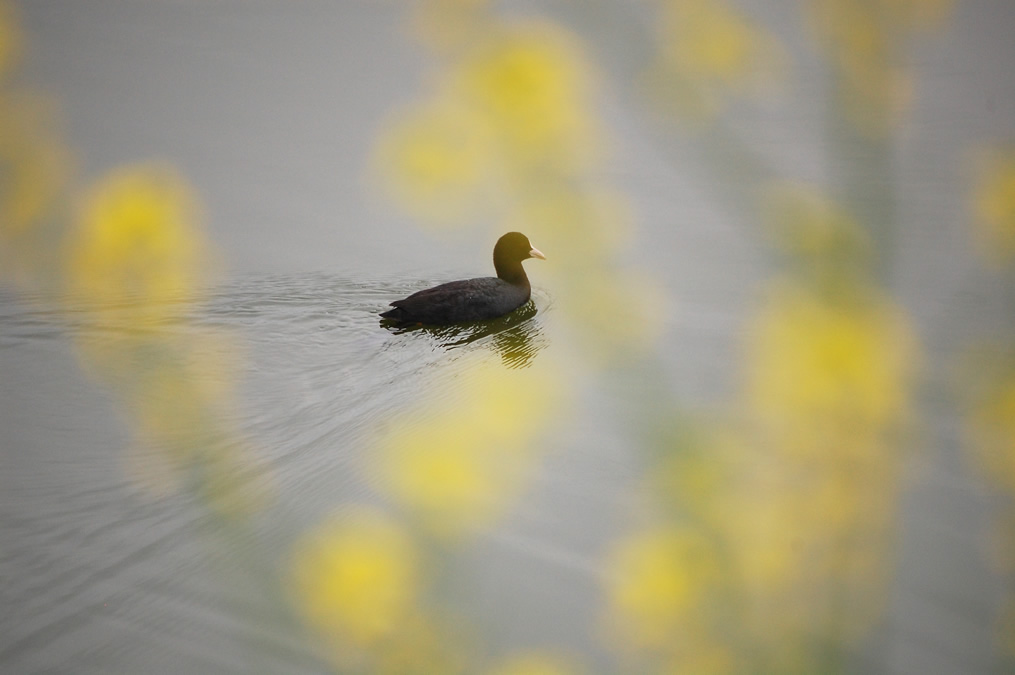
x: 536, y: 253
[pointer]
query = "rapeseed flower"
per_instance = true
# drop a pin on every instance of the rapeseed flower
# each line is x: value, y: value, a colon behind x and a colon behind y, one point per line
x: 821, y: 370
x: 458, y: 463
x: 437, y: 161
x: 356, y: 577
x: 137, y: 246
x: 533, y: 86
x: 994, y: 206
x: 658, y: 581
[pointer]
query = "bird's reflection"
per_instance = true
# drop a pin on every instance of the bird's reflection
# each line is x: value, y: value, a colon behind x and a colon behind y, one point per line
x: 517, y: 336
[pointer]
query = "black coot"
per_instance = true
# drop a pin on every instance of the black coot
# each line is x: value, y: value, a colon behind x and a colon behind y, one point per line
x: 474, y: 299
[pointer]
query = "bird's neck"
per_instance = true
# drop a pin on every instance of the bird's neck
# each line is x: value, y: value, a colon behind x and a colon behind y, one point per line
x: 513, y: 273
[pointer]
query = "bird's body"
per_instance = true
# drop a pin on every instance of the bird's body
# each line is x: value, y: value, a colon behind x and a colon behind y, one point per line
x: 473, y: 299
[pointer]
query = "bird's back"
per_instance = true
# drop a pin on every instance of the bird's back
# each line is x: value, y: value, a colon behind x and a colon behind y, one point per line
x: 460, y: 301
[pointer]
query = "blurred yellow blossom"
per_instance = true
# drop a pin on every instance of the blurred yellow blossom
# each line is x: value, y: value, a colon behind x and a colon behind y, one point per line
x: 591, y: 226
x: 447, y: 25
x: 355, y: 577
x: 795, y: 497
x: 428, y: 641
x: 621, y: 316
x: 533, y: 84
x: 696, y: 471
x: 917, y: 14
x: 809, y: 225
x: 994, y: 205
x: 658, y: 578
x: 457, y: 463
x: 809, y: 501
x: 510, y: 114
x: 705, y: 656
x: 711, y: 42
x: 709, y: 51
x: 437, y: 160
x: 992, y: 424
x: 137, y: 243
x: 788, y: 528
x: 35, y: 164
x: 819, y: 369
x: 864, y: 39
x: 10, y: 37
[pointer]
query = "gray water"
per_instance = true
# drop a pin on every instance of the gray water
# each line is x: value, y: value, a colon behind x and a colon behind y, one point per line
x: 270, y: 110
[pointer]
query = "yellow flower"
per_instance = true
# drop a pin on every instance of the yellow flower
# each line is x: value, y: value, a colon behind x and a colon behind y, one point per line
x: 35, y: 165
x: 765, y: 534
x: 911, y: 14
x: 708, y: 51
x: 706, y: 656
x: 818, y: 369
x: 808, y: 224
x: 137, y: 246
x: 658, y: 579
x: 993, y: 432
x: 994, y: 206
x: 355, y: 577
x: 10, y: 37
x: 697, y: 471
x: 427, y: 642
x: 532, y: 84
x: 592, y: 226
x: 436, y: 160
x: 709, y: 41
x: 460, y: 462
x: 863, y: 39
x: 447, y: 25
x: 623, y: 314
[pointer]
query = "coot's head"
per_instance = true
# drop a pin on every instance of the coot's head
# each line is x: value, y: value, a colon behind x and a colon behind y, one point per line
x: 508, y: 254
